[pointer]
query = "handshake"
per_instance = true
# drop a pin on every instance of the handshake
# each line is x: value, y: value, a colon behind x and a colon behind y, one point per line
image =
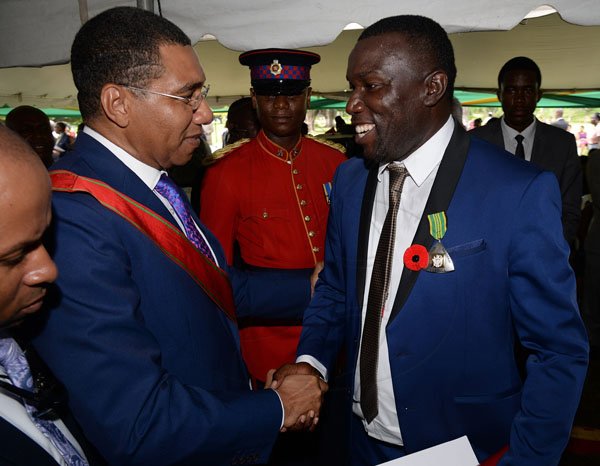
x: 301, y: 390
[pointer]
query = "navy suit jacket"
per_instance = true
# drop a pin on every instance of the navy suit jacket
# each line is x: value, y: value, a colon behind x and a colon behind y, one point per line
x: 19, y: 449
x: 451, y: 336
x: 554, y: 149
x: 152, y: 366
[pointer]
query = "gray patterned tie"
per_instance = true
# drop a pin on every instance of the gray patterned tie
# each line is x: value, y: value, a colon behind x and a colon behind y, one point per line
x: 15, y: 364
x: 378, y: 291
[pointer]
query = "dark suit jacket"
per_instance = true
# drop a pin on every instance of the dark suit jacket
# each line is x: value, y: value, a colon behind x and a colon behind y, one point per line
x: 554, y: 149
x: 451, y: 336
x: 18, y: 449
x: 151, y: 365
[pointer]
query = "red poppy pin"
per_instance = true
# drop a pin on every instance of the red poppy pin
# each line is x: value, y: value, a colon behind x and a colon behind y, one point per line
x: 416, y: 257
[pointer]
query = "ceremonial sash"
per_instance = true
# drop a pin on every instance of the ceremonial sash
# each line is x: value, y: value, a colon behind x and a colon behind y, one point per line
x: 169, y: 239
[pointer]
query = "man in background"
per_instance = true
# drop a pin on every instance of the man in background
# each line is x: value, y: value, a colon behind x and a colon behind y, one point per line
x: 242, y: 122
x: 268, y: 198
x: 520, y: 133
x: 33, y: 125
x: 559, y: 121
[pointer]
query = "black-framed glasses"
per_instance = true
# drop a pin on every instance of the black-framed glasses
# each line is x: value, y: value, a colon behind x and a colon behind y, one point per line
x: 193, y: 102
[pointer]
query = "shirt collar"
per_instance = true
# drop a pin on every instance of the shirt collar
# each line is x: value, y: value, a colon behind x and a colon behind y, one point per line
x: 426, y: 158
x: 149, y: 175
x: 527, y: 133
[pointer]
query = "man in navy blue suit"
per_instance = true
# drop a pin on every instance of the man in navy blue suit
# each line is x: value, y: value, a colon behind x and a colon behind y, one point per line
x: 141, y: 327
x: 430, y: 311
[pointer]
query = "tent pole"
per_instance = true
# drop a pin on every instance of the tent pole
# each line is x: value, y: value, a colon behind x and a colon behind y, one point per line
x: 83, y: 11
x: 147, y: 5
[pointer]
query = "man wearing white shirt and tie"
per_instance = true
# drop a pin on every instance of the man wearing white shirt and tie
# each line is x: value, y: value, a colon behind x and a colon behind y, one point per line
x: 520, y: 133
x: 429, y: 345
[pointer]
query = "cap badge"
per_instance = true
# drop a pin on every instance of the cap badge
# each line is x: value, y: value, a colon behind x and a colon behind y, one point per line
x: 275, y: 68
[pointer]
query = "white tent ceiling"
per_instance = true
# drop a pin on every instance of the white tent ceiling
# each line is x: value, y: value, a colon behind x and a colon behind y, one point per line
x: 565, y: 52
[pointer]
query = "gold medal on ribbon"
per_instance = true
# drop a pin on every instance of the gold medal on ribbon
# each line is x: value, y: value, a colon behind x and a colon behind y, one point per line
x: 439, y: 259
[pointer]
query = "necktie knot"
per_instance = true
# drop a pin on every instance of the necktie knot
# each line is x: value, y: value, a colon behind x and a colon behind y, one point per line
x: 15, y: 364
x: 398, y: 174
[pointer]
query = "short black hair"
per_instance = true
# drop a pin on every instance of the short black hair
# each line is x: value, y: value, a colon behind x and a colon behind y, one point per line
x: 522, y: 64
x: 426, y: 36
x: 120, y: 46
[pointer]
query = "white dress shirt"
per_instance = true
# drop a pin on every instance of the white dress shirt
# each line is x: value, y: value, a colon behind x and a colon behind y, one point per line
x: 510, y: 143
x: 149, y: 175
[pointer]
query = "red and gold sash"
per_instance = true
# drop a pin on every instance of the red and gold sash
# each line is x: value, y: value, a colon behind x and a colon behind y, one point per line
x: 169, y: 239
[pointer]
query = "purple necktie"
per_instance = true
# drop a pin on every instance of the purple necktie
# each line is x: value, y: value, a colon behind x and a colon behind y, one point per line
x: 169, y: 190
x: 15, y: 364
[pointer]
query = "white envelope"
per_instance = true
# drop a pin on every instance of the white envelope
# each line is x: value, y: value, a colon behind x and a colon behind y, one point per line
x: 453, y: 453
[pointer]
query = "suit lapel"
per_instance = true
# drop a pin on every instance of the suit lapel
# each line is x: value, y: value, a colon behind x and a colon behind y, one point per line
x: 439, y: 199
x: 363, y: 232
x: 497, y: 137
x: 538, y: 150
x: 19, y: 449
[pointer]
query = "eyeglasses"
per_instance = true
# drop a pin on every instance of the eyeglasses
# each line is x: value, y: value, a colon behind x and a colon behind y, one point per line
x: 193, y: 102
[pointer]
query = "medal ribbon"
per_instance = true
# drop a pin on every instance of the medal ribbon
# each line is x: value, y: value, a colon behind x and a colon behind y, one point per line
x: 437, y: 225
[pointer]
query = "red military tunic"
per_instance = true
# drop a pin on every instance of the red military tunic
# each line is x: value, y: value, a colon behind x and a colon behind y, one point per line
x: 273, y: 203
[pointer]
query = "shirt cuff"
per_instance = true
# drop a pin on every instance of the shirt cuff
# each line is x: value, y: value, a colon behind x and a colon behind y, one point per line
x: 313, y: 362
x: 282, y: 409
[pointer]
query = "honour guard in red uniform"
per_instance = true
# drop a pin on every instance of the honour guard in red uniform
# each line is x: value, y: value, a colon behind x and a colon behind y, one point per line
x: 269, y: 195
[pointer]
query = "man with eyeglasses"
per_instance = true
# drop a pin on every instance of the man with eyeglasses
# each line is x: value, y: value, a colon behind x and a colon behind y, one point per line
x: 142, y: 326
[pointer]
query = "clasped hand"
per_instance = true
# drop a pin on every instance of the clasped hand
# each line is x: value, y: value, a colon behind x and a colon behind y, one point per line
x: 301, y: 390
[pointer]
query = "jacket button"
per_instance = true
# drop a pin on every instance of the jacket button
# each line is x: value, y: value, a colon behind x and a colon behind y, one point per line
x: 307, y: 218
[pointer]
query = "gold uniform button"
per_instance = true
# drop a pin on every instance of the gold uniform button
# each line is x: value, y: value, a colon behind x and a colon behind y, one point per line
x: 298, y: 186
x: 302, y: 202
x: 311, y: 233
x: 295, y: 171
x: 307, y: 218
x: 265, y: 215
x: 316, y: 249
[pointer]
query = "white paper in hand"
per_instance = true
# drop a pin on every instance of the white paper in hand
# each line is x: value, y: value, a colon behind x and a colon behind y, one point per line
x: 453, y: 453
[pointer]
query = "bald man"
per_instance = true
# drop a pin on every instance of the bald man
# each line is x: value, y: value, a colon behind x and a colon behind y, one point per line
x: 33, y: 125
x: 26, y: 270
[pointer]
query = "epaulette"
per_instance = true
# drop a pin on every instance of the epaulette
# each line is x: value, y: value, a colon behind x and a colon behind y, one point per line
x: 329, y: 143
x: 219, y: 154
